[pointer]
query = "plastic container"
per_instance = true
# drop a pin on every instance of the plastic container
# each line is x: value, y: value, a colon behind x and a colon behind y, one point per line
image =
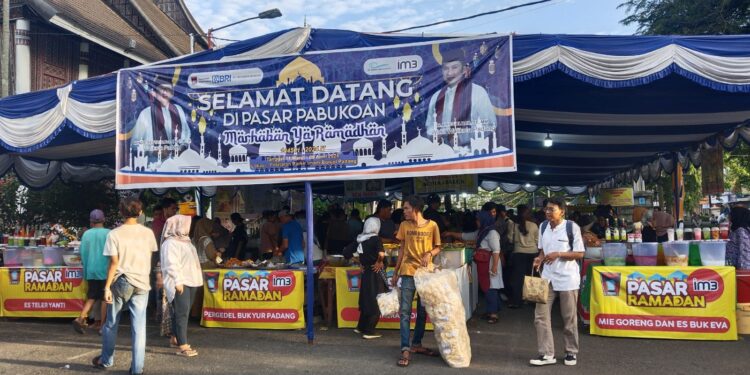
x: 27, y: 257
x: 713, y: 253
x: 645, y: 253
x: 593, y: 253
x: 73, y: 259
x: 694, y: 259
x: 676, y: 253
x: 615, y: 254
x: 12, y: 257
x: 38, y: 258
x: 743, y: 318
x: 53, y: 256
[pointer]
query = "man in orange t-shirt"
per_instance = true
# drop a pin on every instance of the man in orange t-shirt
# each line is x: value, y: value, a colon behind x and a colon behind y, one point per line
x: 420, y: 242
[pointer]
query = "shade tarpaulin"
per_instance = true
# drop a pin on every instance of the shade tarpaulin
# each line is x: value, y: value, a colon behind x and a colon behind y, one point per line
x: 617, y: 107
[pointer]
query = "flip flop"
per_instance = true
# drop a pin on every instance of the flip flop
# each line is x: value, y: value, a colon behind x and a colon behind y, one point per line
x: 492, y: 320
x: 425, y: 351
x: 97, y: 363
x: 187, y: 353
x: 79, y: 327
x: 404, y: 360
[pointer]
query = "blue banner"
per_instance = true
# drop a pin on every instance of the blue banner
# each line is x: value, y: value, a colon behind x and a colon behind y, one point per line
x: 425, y: 109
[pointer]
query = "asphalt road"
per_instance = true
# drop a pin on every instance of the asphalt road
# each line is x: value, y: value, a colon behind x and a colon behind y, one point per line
x: 44, y: 346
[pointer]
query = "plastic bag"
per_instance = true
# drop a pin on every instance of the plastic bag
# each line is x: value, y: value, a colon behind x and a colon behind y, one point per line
x: 388, y: 302
x: 442, y: 300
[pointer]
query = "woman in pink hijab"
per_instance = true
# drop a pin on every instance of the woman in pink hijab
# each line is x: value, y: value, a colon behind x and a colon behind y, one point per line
x: 181, y: 271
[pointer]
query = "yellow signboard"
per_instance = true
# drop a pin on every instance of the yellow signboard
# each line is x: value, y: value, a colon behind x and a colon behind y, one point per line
x: 347, y: 301
x: 466, y: 183
x: 618, y: 197
x: 240, y: 298
x: 42, y: 292
x: 690, y: 303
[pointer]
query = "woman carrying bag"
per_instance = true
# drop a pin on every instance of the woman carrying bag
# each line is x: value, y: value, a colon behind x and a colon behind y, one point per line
x: 369, y: 248
x: 182, y: 278
x: 489, y: 267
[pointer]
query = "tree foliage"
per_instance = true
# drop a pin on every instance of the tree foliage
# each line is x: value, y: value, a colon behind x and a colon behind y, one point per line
x: 688, y: 17
x: 63, y: 203
x: 695, y: 17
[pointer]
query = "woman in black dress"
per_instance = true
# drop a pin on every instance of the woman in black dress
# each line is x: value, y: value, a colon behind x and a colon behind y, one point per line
x: 371, y: 255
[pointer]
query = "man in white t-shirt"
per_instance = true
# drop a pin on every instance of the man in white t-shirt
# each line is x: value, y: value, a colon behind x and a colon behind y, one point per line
x: 129, y: 248
x: 561, y: 246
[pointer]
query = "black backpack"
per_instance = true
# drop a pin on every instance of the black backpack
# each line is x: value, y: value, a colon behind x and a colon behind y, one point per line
x: 568, y: 229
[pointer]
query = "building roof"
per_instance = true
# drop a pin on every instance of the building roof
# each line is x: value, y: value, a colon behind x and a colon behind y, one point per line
x: 172, y: 34
x: 100, y: 23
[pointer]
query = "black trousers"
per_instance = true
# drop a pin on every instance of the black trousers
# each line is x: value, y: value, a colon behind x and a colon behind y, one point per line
x: 181, y: 306
x: 367, y: 323
x: 521, y: 266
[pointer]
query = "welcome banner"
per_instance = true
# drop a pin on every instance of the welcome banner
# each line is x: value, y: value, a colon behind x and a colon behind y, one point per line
x: 431, y: 108
x: 689, y: 303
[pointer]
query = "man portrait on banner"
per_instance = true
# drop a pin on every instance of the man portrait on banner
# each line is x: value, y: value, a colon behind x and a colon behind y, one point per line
x: 460, y: 105
x: 162, y: 123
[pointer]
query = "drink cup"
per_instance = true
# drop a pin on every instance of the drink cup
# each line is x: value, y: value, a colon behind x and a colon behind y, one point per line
x: 679, y: 233
x: 724, y: 232
x: 697, y: 234
x: 670, y: 234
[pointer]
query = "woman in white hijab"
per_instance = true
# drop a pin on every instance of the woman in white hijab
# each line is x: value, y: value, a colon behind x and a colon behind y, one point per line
x: 371, y: 255
x: 181, y: 272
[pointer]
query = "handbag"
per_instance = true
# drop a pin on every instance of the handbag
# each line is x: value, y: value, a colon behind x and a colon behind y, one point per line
x: 535, y: 289
x: 482, y: 256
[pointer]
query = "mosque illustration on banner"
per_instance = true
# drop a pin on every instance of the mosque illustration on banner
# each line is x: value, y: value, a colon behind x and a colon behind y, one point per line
x: 175, y: 158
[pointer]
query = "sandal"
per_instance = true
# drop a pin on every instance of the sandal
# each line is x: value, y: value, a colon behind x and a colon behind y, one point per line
x: 492, y: 320
x: 79, y: 326
x: 187, y: 353
x: 97, y: 363
x: 425, y: 351
x: 405, y: 358
x: 173, y: 343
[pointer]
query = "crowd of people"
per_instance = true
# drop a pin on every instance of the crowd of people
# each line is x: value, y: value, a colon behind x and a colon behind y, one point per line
x: 121, y: 265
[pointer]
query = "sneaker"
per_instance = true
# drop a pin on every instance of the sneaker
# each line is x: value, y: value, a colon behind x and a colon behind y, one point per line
x: 571, y: 360
x: 370, y: 337
x: 357, y: 331
x: 543, y: 360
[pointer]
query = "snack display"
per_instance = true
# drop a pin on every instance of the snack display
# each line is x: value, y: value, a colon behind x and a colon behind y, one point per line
x: 440, y: 296
x: 236, y: 263
x: 677, y: 260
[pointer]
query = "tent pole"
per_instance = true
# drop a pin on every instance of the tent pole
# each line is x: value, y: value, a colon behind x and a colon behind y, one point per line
x: 678, y: 191
x: 309, y: 292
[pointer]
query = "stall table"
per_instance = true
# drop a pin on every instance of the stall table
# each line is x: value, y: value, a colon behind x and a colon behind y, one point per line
x: 255, y: 299
x: 347, y: 297
x: 42, y: 292
x: 689, y: 303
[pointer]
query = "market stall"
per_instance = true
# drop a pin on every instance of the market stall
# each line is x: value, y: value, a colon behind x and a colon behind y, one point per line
x: 257, y: 299
x: 661, y: 295
x: 45, y: 282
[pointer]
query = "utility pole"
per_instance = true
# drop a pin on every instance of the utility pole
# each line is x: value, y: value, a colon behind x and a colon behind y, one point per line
x: 5, y: 73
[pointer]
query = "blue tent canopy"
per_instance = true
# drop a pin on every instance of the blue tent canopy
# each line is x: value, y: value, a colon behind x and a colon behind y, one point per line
x: 617, y: 107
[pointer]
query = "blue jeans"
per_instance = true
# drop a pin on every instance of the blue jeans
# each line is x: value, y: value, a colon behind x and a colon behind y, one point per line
x: 493, y: 301
x: 408, y: 289
x: 124, y: 295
